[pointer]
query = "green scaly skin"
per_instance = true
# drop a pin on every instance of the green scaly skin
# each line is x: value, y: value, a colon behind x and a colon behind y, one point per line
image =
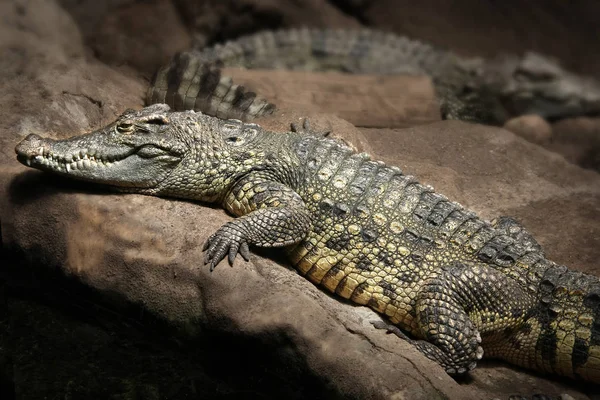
x: 459, y: 285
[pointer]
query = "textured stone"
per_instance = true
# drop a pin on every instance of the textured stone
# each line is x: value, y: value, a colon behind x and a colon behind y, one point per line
x: 138, y: 257
x: 147, y: 250
x: 142, y: 35
x: 530, y: 127
x: 578, y: 139
x: 371, y: 101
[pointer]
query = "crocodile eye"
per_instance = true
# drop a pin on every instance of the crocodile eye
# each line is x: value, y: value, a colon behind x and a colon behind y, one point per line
x: 125, y: 127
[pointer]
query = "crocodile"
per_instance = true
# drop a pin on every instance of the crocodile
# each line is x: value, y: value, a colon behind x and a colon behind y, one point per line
x: 471, y: 89
x: 453, y: 284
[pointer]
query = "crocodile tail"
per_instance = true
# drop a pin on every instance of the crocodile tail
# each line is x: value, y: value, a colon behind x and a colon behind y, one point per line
x: 193, y: 80
x: 568, y: 322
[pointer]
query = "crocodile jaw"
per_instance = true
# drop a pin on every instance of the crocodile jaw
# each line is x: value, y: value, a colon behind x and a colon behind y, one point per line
x: 82, y: 159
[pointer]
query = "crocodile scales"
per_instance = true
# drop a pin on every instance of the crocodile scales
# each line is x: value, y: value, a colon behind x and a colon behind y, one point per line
x: 358, y: 228
x: 472, y: 89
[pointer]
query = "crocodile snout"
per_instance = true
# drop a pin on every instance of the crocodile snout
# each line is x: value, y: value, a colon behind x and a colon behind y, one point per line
x: 30, y: 145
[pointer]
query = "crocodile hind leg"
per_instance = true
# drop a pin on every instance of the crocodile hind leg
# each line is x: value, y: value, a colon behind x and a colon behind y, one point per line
x: 451, y: 338
x: 452, y: 362
x: 458, y: 307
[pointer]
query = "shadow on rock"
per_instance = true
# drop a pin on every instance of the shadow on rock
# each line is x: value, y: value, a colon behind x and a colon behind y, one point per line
x: 32, y: 185
x: 101, y: 350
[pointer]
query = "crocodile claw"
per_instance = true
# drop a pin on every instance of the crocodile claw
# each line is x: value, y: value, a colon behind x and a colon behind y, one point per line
x: 227, y: 241
x: 306, y: 129
x: 389, y: 328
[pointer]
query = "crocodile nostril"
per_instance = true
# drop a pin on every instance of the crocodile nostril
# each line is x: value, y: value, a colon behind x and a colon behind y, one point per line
x: 30, y: 145
x: 33, y: 136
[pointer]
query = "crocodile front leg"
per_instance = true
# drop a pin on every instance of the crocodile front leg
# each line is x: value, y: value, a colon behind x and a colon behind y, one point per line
x: 270, y: 215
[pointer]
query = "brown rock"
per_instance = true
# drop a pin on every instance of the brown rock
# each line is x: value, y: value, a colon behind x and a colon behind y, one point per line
x: 530, y: 127
x: 111, y: 245
x: 578, y: 140
x: 218, y: 20
x: 139, y: 257
x: 46, y: 82
x: 364, y: 100
x: 143, y: 35
x: 464, y: 27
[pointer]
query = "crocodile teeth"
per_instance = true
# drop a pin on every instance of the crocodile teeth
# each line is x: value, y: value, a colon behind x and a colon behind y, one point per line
x: 68, y: 167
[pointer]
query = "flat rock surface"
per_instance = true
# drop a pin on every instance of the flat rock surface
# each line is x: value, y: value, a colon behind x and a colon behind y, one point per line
x: 257, y: 329
x: 365, y: 100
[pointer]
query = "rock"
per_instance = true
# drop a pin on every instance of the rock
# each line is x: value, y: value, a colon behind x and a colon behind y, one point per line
x: 571, y: 25
x: 46, y: 81
x: 210, y: 21
x: 109, y: 244
x: 115, y: 281
x: 530, y: 127
x: 143, y: 35
x: 396, y: 101
x: 139, y: 34
x: 578, y: 139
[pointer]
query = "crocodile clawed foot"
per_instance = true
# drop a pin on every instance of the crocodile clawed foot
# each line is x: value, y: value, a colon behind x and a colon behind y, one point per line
x: 306, y: 129
x: 389, y: 328
x: 479, y: 353
x: 461, y: 370
x: 227, y: 241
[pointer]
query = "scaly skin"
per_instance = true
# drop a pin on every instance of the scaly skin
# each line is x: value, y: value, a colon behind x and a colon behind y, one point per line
x: 468, y: 89
x: 361, y: 229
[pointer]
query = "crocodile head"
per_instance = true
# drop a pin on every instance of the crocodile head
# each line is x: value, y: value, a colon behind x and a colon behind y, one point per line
x: 139, y: 150
x: 535, y: 84
x: 153, y: 151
